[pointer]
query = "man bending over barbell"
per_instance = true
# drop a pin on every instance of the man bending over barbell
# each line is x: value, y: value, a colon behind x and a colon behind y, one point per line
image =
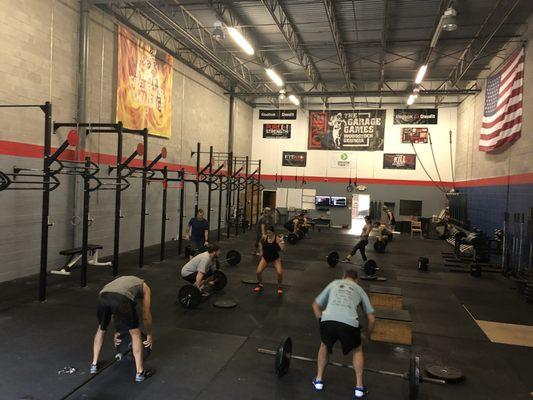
x: 118, y: 299
x: 200, y: 268
x: 382, y: 232
x: 336, y: 309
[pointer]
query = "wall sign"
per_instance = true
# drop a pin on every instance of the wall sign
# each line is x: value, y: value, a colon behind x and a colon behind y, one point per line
x: 346, y: 130
x: 415, y: 135
x: 294, y: 159
x: 340, y: 160
x: 421, y: 116
x: 399, y: 161
x: 277, y: 114
x: 277, y: 131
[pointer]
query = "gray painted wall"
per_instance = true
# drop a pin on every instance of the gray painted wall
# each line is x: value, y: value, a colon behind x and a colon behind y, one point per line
x: 39, y: 56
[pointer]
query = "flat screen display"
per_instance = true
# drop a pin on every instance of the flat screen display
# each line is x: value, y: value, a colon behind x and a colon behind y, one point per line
x: 338, y: 201
x: 323, y: 201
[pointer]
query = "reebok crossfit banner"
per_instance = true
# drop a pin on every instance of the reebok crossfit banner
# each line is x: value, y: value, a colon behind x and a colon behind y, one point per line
x: 277, y: 114
x: 421, y: 116
x: 276, y: 131
x: 294, y: 159
x: 144, y: 85
x: 346, y: 130
x: 399, y: 161
x: 415, y: 135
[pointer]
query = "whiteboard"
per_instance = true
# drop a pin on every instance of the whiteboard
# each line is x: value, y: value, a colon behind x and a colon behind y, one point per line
x: 308, y: 199
x: 281, y: 198
x: 294, y: 198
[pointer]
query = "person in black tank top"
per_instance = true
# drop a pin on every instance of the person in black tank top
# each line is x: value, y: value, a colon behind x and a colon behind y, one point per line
x: 269, y: 248
x: 391, y: 221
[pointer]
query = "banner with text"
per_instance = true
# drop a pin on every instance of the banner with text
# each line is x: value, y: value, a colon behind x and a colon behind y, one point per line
x: 421, y: 116
x: 276, y: 131
x: 144, y: 85
x: 340, y: 160
x: 399, y: 161
x: 415, y: 135
x: 277, y: 114
x: 346, y: 130
x: 294, y: 159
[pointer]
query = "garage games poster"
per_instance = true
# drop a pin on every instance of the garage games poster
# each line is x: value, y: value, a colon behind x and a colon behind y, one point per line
x: 346, y: 130
x: 144, y: 85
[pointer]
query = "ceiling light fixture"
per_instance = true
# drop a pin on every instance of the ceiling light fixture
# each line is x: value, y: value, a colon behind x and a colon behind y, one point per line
x: 274, y: 76
x: 241, y: 41
x: 421, y: 74
x: 449, y: 20
x: 410, y: 100
x: 218, y: 32
x: 294, y: 100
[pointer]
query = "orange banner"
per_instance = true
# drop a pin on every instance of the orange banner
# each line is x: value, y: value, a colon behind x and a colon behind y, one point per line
x: 144, y: 85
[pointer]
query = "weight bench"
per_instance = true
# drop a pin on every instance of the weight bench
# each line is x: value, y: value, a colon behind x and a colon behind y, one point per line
x: 392, y: 326
x: 76, y: 255
x: 386, y: 297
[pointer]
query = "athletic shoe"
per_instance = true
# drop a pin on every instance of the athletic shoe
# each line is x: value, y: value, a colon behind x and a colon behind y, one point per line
x: 280, y: 291
x: 361, y: 392
x: 319, y: 385
x: 141, y: 377
x: 258, y: 289
x: 93, y: 368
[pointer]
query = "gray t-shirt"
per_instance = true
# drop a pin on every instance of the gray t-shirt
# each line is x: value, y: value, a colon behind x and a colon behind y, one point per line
x: 340, y: 299
x: 129, y: 286
x: 200, y: 263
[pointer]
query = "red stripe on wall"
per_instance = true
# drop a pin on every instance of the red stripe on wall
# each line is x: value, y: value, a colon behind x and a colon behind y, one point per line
x: 19, y: 149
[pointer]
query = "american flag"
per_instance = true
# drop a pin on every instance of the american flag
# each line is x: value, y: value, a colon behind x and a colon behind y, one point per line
x: 502, y: 116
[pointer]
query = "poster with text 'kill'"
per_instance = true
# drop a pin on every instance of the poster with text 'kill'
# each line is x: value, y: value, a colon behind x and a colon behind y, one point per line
x: 346, y: 130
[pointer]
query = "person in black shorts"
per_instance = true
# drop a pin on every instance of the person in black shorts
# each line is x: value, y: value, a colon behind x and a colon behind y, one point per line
x: 391, y: 221
x: 336, y: 310
x: 363, y: 241
x: 118, y: 299
x: 269, y: 248
x: 197, y: 232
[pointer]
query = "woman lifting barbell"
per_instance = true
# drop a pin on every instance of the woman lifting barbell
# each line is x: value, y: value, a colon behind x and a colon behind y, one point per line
x: 269, y: 248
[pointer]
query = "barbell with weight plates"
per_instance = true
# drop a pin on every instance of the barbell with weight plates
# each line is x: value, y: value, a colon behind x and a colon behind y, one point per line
x: 189, y: 296
x: 370, y: 267
x: 283, y: 356
x: 380, y: 246
x: 233, y: 257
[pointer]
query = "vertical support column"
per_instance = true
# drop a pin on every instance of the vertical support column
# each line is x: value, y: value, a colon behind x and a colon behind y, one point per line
x: 118, y: 200
x: 197, y: 183
x: 143, y: 198
x: 85, y: 224
x: 182, y: 202
x: 47, y: 109
x: 237, y: 213
x: 252, y: 204
x: 164, y: 214
x: 246, y: 172
x: 228, y: 193
x: 209, y: 189
x: 219, y: 217
x: 259, y: 193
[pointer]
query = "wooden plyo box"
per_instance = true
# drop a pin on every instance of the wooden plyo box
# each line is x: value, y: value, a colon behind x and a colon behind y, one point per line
x: 386, y: 297
x: 392, y: 326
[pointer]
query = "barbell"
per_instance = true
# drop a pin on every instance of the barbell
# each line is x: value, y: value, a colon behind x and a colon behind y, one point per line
x: 283, y: 356
x: 233, y: 257
x: 370, y: 267
x: 189, y: 296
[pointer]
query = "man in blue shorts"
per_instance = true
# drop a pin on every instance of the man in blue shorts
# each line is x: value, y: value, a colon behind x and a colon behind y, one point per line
x: 336, y: 309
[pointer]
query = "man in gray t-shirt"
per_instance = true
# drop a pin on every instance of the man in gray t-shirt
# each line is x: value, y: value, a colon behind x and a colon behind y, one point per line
x: 118, y: 299
x: 201, y: 266
x: 336, y: 309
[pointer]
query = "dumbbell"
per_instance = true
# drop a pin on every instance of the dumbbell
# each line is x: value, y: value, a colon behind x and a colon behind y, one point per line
x: 124, y: 349
x: 189, y: 296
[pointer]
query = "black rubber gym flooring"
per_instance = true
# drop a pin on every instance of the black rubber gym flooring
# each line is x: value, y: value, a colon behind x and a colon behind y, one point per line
x: 210, y: 353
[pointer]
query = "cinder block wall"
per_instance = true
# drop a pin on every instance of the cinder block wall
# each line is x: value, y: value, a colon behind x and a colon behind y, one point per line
x: 39, y: 54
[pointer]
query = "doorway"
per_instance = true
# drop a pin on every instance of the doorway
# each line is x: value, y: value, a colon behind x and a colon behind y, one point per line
x: 360, y: 209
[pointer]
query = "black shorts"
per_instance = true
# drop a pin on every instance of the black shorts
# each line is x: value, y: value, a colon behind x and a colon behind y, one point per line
x: 122, y: 308
x: 349, y: 336
x: 192, y: 277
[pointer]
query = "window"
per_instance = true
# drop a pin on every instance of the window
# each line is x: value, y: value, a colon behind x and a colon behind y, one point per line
x: 411, y: 207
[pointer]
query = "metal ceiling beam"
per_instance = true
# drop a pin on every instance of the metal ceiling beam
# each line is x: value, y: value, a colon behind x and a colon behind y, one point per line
x: 294, y: 41
x: 384, y: 38
x: 496, y: 18
x: 369, y: 93
x: 337, y: 40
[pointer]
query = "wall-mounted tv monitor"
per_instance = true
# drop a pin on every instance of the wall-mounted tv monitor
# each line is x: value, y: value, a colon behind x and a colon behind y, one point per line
x: 323, y: 201
x: 338, y: 201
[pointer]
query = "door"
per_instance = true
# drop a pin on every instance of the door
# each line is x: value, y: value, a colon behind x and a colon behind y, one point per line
x: 360, y: 209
